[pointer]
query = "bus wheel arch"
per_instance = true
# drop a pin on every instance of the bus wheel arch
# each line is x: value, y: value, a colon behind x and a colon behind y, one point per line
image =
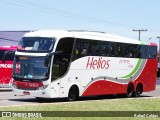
x: 73, y: 93
x: 139, y: 90
x: 130, y: 90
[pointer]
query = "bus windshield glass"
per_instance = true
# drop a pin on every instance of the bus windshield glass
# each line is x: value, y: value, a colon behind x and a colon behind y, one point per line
x: 30, y: 68
x: 36, y: 44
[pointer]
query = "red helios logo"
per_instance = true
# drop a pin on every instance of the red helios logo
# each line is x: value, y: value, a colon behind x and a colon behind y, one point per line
x: 100, y: 63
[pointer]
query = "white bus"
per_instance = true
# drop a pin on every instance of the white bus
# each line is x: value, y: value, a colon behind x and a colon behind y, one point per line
x: 59, y: 64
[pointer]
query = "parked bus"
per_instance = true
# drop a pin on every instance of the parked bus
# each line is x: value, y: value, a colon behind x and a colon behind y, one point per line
x: 58, y: 64
x: 6, y: 69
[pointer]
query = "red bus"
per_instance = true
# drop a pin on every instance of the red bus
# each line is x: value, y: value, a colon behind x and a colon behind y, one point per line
x: 6, y: 68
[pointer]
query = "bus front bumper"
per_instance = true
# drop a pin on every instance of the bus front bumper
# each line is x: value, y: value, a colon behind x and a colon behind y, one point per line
x: 37, y: 93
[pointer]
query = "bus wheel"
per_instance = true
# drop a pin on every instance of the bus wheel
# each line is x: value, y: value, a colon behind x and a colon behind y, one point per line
x: 139, y: 90
x: 130, y: 91
x: 73, y: 93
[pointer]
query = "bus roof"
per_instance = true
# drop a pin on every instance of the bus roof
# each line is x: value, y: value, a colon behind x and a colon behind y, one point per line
x: 94, y: 35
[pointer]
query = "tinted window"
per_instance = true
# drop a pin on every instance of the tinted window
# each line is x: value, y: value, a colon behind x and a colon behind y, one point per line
x: 38, y: 44
x: 61, y: 61
x: 81, y: 48
x: 151, y: 51
x: 9, y: 57
x: 113, y: 49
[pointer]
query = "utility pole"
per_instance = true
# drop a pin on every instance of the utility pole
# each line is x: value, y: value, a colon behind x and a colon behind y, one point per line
x: 139, y: 32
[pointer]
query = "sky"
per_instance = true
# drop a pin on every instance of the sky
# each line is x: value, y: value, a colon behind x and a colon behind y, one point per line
x: 118, y: 17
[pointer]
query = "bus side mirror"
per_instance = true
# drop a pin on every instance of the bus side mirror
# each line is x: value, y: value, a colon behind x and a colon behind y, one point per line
x: 49, y: 55
x: 46, y: 62
x: 5, y: 55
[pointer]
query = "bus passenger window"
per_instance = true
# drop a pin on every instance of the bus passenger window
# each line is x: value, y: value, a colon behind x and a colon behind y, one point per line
x: 111, y: 50
x: 81, y: 48
x: 102, y: 50
x: 151, y: 51
x: 142, y: 52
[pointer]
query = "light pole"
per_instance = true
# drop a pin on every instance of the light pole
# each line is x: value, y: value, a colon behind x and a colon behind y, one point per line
x: 159, y: 49
x: 139, y: 31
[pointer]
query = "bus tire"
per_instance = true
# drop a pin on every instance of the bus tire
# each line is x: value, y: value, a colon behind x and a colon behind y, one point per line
x: 139, y: 90
x: 73, y: 93
x: 130, y: 91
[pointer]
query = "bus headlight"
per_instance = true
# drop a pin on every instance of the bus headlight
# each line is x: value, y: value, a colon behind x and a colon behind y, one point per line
x: 14, y: 85
x: 43, y: 87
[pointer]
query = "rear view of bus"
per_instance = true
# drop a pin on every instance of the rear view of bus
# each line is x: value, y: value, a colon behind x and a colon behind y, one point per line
x: 6, y: 68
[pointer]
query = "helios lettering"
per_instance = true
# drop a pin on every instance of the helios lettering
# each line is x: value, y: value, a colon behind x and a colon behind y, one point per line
x: 100, y: 63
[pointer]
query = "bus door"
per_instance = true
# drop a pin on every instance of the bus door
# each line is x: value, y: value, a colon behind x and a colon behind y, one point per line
x: 58, y: 70
x: 61, y: 64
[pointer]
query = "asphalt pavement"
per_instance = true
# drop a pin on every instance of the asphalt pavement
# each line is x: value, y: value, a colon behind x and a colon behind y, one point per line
x: 7, y: 98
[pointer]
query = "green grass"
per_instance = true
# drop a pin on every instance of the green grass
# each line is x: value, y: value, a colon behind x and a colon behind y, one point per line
x: 136, y: 104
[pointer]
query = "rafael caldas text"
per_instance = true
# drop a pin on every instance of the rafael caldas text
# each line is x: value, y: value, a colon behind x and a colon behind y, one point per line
x: 97, y: 63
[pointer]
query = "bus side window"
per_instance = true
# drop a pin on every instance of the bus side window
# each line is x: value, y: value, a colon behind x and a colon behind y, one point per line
x: 142, y: 52
x: 118, y: 50
x: 151, y: 51
x: 93, y: 48
x: 103, y: 49
x: 81, y: 48
x: 9, y: 57
x: 111, y: 50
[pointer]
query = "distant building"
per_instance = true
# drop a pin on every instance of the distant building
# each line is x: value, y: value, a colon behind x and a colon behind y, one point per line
x: 11, y: 37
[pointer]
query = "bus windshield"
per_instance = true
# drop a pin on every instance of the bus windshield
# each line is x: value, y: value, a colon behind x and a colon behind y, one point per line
x: 30, y: 68
x: 36, y: 44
